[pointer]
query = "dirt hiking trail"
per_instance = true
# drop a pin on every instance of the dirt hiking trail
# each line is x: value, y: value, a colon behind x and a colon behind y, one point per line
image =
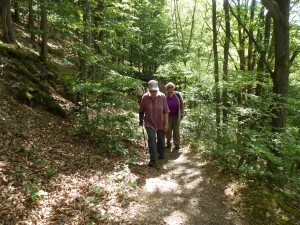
x: 181, y: 189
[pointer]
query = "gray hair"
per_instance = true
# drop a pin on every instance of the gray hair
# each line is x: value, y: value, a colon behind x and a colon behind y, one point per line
x: 170, y: 84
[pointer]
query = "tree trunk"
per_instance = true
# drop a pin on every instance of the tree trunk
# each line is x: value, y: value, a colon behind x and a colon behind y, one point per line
x: 44, y: 30
x: 261, y: 77
x: 16, y: 14
x: 188, y: 47
x: 31, y: 21
x: 4, y: 18
x: 251, y: 51
x: 84, y: 66
x: 216, y: 71
x: 8, y: 29
x: 251, y: 55
x: 225, y: 62
x: 279, y: 10
x: 241, y: 50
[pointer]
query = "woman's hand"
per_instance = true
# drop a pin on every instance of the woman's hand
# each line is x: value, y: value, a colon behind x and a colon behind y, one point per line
x: 166, y: 127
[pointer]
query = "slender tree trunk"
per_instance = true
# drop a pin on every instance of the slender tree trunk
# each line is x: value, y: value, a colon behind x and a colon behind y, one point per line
x: 187, y: 51
x: 44, y: 30
x: 251, y: 59
x: 261, y: 77
x: 100, y: 35
x: 88, y: 34
x: 216, y: 71
x: 179, y: 29
x: 180, y: 24
x: 31, y: 21
x: 16, y: 15
x: 279, y: 10
x: 175, y: 20
x: 225, y: 62
x: 241, y: 52
x: 87, y: 40
x: 251, y: 50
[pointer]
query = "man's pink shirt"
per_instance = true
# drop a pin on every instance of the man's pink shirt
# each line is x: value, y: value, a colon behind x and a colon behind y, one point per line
x: 154, y: 110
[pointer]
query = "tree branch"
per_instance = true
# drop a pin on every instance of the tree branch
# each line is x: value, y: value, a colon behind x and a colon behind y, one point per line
x: 294, y: 56
x: 252, y: 38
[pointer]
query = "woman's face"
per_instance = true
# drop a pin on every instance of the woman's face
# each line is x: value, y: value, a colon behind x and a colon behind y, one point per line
x: 170, y: 89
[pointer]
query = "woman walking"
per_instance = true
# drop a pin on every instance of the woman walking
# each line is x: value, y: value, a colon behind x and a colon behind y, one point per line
x: 176, y: 107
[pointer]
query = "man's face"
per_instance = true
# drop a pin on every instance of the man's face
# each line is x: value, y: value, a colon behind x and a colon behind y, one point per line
x: 153, y: 93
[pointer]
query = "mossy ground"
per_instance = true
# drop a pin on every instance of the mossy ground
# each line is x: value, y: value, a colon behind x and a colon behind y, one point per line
x: 30, y: 79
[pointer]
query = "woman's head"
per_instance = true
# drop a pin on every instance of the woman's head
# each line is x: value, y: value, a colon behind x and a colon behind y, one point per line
x: 170, y: 87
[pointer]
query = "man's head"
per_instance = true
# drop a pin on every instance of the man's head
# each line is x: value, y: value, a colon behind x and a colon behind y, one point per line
x: 153, y: 87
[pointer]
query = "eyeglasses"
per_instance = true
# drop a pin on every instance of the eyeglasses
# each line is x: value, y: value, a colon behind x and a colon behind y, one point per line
x: 153, y: 91
x: 170, y: 87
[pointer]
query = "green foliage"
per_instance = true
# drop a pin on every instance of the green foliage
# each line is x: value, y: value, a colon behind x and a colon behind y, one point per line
x: 20, y: 174
x: 248, y: 145
x: 132, y: 184
x: 34, y: 193
x: 106, y: 100
x: 267, y: 207
x: 175, y: 72
x: 294, y: 103
x: 49, y: 172
x: 65, y: 17
x: 132, y: 160
x: 91, y: 200
x: 98, y: 190
x: 106, y: 216
x: 110, y: 91
x: 109, y: 131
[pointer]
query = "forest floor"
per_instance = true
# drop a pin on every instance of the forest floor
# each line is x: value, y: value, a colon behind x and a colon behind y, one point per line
x: 50, y: 176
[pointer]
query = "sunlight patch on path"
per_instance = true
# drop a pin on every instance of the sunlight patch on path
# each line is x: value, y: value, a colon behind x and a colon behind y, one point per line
x: 157, y: 184
x: 176, y: 218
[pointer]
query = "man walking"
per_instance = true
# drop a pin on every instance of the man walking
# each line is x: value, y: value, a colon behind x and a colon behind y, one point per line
x: 154, y: 112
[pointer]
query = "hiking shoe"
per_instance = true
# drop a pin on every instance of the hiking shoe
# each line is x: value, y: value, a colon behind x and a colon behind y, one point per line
x: 151, y: 163
x: 177, y: 147
x: 161, y: 157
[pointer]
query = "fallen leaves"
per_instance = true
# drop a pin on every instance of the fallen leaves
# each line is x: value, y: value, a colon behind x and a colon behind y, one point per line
x: 49, y: 176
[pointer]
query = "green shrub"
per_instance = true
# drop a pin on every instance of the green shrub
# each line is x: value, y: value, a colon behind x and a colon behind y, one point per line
x: 109, y: 131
